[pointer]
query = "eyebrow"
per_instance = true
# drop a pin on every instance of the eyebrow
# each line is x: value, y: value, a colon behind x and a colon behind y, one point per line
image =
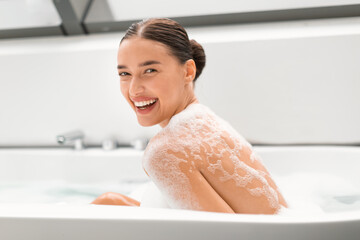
x: 141, y: 64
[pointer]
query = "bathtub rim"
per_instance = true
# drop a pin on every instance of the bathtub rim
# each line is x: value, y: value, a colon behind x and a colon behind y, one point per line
x: 108, y: 212
x: 122, y: 213
x: 95, y: 151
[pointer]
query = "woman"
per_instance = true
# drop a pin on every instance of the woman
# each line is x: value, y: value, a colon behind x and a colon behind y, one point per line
x: 197, y: 161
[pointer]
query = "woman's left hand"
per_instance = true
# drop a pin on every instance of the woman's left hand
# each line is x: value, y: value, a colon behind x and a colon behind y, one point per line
x: 112, y: 198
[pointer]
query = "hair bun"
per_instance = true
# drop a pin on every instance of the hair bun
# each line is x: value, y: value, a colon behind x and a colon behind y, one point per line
x: 199, y: 57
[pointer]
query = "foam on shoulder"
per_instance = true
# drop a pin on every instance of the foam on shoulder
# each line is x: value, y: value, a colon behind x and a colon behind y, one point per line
x: 192, y: 134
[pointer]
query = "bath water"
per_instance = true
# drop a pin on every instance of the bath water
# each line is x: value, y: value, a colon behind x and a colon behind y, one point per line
x: 305, y: 193
x: 318, y: 193
x: 61, y: 192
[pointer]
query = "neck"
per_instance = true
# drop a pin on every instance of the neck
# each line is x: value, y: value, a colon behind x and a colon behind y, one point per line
x: 185, y: 104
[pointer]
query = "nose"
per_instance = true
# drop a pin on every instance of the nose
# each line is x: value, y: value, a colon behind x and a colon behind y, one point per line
x: 136, y: 86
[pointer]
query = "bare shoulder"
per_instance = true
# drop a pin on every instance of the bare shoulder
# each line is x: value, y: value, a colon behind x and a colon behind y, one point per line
x: 203, y: 163
x: 171, y: 151
x: 172, y: 164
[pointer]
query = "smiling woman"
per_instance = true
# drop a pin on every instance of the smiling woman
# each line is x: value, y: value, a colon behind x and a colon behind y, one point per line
x: 149, y: 72
x: 197, y: 161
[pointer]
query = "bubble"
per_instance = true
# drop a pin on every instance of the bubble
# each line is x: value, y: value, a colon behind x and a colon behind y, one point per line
x: 197, y: 138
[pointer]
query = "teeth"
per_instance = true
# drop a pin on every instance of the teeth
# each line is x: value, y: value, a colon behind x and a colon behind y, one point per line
x: 144, y: 103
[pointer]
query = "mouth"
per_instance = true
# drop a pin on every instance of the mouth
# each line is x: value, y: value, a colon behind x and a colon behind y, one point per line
x: 145, y: 106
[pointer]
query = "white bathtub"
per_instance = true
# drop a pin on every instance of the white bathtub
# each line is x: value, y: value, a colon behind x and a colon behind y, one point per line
x: 26, y: 219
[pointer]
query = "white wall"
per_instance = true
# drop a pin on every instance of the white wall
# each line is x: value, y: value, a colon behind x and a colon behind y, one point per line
x: 156, y: 8
x: 295, y: 82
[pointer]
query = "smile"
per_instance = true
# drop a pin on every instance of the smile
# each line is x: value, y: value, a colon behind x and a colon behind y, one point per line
x: 144, y: 104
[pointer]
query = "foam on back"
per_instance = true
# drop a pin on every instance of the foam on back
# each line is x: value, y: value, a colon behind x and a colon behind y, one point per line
x: 197, y: 138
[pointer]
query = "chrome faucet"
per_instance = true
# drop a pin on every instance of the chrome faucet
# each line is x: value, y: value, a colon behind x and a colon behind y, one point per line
x: 139, y: 144
x: 77, y: 137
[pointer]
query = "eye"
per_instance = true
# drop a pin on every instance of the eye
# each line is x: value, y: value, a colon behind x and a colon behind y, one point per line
x: 150, y: 69
x: 123, y: 74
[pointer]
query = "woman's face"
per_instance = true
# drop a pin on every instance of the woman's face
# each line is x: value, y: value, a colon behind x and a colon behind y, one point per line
x: 149, y: 75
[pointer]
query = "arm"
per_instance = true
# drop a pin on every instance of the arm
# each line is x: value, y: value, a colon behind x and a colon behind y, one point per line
x: 181, y: 182
x: 111, y: 198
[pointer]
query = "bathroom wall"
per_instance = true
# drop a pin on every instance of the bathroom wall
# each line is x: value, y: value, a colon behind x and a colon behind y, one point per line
x: 288, y: 82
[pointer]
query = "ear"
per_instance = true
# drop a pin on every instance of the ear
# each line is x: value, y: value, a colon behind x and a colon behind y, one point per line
x: 190, y: 71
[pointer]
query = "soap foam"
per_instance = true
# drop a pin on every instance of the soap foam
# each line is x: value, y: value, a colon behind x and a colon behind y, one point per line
x: 311, y: 193
x: 307, y: 194
x: 192, y: 134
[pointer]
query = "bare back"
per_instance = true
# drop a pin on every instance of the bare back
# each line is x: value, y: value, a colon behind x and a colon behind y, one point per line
x: 199, y: 162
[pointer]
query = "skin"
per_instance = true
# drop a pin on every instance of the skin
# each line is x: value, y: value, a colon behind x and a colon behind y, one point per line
x: 172, y: 84
x: 149, y: 81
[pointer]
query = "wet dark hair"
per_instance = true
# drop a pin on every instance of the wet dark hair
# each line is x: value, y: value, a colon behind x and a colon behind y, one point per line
x: 174, y: 36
